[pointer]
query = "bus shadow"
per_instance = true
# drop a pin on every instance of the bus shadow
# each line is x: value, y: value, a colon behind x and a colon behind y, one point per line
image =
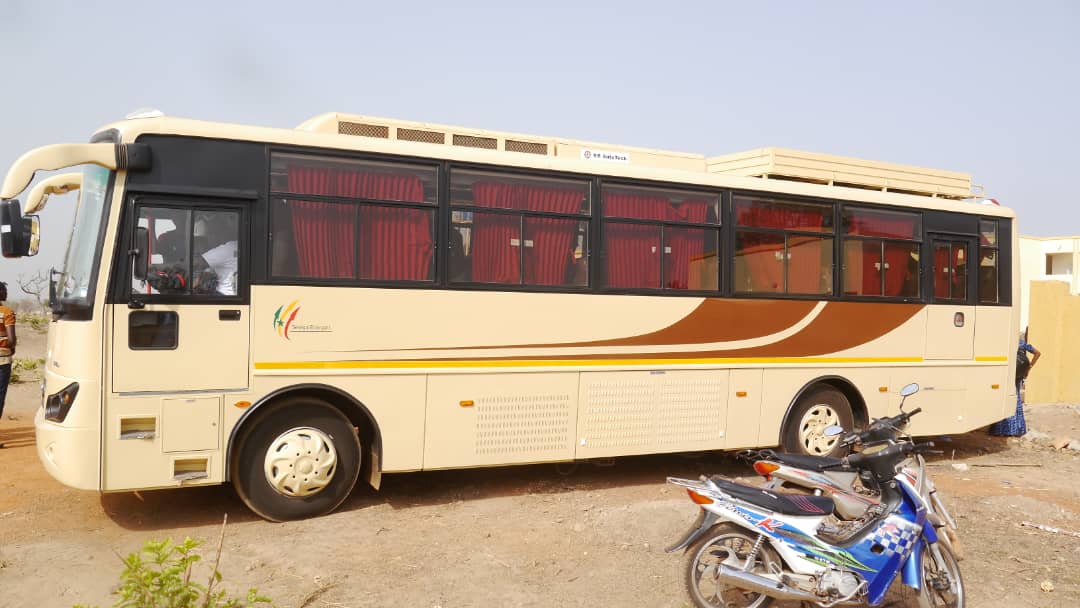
x: 433, y: 488
x: 19, y: 437
x: 175, y: 508
x: 202, y: 506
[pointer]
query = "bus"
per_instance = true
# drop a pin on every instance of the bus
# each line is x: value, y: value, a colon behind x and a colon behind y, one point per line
x: 293, y: 310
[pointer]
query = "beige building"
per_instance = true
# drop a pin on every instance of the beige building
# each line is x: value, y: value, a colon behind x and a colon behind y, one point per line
x: 1050, y: 308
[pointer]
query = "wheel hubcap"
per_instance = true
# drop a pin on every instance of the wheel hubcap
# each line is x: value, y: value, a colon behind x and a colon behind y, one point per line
x: 812, y: 429
x: 300, y: 462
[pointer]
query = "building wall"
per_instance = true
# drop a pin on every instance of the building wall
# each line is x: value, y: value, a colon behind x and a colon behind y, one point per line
x: 1054, y: 329
x: 1042, y: 259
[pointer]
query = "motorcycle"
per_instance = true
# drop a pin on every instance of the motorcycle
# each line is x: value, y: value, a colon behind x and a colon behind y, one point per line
x: 750, y: 545
x: 851, y: 495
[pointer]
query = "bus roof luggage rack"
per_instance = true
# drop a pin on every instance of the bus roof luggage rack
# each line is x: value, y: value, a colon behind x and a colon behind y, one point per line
x: 818, y: 168
x: 430, y: 133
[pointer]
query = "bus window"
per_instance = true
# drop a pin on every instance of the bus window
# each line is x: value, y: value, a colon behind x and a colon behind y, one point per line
x: 988, y: 262
x: 518, y: 229
x: 344, y: 219
x: 881, y: 253
x: 779, y: 247
x: 661, y: 239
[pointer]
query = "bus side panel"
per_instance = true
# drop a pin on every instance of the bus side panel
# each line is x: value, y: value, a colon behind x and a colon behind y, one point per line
x: 158, y: 441
x: 995, y: 343
x: 495, y: 419
x: 651, y: 411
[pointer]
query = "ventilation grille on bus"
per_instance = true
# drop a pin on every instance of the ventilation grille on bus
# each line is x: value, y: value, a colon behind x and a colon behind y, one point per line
x: 363, y: 130
x: 472, y: 141
x: 527, y: 147
x: 515, y: 426
x: 430, y: 136
x: 427, y: 137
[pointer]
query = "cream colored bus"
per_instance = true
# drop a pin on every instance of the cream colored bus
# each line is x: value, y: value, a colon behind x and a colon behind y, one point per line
x: 293, y: 310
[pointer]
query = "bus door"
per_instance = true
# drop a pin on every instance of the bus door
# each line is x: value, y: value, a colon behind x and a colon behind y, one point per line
x: 950, y: 332
x: 185, y: 325
x: 950, y: 328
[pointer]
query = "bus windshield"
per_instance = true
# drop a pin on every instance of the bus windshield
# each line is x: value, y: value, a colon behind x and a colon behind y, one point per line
x: 75, y: 288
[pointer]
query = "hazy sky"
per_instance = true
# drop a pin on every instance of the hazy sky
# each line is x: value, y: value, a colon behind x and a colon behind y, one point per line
x: 987, y: 88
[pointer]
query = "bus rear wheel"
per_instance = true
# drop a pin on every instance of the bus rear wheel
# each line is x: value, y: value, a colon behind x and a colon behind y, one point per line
x: 299, y: 459
x: 815, y: 411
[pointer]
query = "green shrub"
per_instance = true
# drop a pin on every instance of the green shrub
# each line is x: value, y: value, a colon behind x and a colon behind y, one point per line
x: 38, y: 322
x: 159, y: 576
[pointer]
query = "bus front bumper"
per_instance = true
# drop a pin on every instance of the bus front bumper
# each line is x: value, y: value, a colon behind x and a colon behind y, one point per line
x: 70, y: 454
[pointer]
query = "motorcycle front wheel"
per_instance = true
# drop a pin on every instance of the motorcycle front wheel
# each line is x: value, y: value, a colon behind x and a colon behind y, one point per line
x: 941, y: 587
x: 703, y: 558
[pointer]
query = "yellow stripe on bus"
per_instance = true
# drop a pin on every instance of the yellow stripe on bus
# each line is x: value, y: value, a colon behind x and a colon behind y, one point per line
x: 1001, y: 359
x: 569, y: 362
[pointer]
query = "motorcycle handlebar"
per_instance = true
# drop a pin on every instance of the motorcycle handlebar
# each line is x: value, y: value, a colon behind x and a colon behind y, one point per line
x: 882, y: 428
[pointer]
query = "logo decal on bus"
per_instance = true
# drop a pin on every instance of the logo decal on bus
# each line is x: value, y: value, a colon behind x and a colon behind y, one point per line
x: 283, y: 318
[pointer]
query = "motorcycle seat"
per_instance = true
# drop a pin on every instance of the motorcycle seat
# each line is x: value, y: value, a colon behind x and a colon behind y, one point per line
x: 805, y: 461
x: 780, y: 502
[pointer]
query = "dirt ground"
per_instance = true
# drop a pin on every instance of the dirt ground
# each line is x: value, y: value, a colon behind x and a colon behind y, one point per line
x: 517, y: 536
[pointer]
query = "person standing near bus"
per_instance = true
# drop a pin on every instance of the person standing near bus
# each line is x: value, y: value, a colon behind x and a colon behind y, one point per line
x: 7, y: 346
x: 1015, y: 425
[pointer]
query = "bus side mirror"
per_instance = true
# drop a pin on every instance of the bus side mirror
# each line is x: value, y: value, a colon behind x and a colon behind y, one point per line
x: 139, y: 253
x: 19, y: 236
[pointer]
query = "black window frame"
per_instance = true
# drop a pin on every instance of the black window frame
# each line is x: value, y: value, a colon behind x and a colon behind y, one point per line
x: 996, y: 248
x: 137, y: 201
x: 587, y: 181
x: 919, y: 240
x: 735, y: 229
x: 600, y: 245
x: 276, y: 195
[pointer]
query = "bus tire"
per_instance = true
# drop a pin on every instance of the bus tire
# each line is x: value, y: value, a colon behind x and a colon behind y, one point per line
x: 804, y: 432
x: 299, y: 459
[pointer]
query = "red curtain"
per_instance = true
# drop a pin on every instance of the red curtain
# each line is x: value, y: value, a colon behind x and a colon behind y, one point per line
x: 809, y: 264
x: 685, y: 244
x: 764, y: 214
x: 498, y: 242
x: 871, y: 268
x: 942, y: 272
x: 870, y: 223
x: 762, y: 254
x: 633, y: 251
x: 495, y: 243
x: 324, y: 233
x: 395, y: 243
x: 902, y: 270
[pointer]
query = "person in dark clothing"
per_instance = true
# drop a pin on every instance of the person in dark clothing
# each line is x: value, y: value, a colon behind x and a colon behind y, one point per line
x: 1015, y: 425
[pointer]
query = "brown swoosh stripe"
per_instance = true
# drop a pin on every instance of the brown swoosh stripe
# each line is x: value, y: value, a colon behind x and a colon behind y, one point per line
x: 720, y: 321
x: 840, y: 326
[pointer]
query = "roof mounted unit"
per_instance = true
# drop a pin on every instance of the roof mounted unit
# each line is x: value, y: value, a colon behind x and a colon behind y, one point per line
x: 814, y: 167
x: 400, y: 130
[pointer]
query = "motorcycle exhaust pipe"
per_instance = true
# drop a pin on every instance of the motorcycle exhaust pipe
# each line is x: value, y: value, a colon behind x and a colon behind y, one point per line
x: 766, y: 586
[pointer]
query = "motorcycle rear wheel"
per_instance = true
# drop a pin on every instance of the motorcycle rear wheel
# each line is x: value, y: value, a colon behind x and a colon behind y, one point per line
x: 700, y: 568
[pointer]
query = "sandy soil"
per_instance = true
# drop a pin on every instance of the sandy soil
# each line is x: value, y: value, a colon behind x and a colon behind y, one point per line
x: 517, y: 536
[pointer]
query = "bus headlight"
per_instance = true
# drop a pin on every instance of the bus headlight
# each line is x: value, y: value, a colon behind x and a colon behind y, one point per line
x: 58, y: 405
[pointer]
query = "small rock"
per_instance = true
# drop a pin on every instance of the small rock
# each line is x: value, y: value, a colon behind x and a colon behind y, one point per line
x: 1060, y: 443
x: 12, y: 417
x: 1074, y: 445
x: 1036, y: 436
x: 1046, y: 586
x: 960, y: 466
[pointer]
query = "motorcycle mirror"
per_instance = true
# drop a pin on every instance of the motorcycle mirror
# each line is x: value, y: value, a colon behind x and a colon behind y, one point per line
x: 833, y: 430
x: 909, y: 390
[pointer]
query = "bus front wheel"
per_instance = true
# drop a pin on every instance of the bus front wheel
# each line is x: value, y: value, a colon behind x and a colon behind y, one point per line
x: 818, y: 409
x: 299, y: 459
